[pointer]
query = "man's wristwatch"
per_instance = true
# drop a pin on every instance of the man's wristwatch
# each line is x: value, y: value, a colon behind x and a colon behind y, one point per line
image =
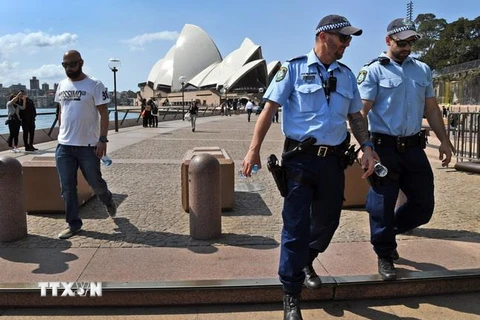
x: 103, y: 139
x: 368, y: 144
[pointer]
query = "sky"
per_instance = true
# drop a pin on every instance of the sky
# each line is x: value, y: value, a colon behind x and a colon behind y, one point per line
x: 35, y: 34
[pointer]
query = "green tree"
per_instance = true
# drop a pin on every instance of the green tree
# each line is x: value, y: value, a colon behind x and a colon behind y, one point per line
x: 430, y: 28
x: 443, y: 44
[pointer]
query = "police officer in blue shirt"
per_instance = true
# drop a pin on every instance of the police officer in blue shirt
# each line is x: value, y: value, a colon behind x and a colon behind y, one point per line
x: 397, y: 92
x: 317, y: 95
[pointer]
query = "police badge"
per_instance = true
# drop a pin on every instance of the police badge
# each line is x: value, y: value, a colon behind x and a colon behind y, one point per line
x: 281, y: 74
x: 361, y: 76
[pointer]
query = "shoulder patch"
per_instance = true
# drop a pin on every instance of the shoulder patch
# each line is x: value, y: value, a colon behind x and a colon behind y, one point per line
x: 361, y: 76
x: 281, y: 74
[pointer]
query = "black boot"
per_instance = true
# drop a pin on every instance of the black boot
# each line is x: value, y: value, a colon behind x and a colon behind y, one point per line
x: 291, y: 307
x: 312, y: 280
x: 386, y: 269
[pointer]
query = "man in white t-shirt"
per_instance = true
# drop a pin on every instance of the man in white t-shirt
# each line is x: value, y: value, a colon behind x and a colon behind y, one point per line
x: 82, y: 138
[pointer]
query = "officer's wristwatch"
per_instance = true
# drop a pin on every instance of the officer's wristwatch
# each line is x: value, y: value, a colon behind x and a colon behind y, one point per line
x: 368, y: 144
x: 103, y: 139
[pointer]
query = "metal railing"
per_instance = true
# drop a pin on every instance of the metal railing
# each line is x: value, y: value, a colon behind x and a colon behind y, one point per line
x: 464, y: 132
x: 165, y: 113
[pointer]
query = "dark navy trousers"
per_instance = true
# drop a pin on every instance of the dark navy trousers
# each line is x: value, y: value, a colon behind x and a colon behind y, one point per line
x: 413, y: 175
x: 311, y: 213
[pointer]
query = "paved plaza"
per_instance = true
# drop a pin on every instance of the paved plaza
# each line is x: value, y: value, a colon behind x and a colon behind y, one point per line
x: 149, y: 240
x: 145, y: 180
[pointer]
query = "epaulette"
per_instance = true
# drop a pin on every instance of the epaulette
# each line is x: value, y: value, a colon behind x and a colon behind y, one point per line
x: 382, y: 60
x: 344, y: 65
x: 296, y: 58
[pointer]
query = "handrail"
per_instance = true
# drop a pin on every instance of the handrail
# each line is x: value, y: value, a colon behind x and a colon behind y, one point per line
x: 174, y: 111
x: 463, y: 129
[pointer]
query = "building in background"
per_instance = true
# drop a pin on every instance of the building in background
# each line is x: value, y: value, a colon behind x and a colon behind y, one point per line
x: 458, y: 84
x: 207, y: 76
x: 34, y: 84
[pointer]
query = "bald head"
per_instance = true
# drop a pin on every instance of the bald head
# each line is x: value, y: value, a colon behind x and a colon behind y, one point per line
x: 72, y: 55
x: 73, y: 63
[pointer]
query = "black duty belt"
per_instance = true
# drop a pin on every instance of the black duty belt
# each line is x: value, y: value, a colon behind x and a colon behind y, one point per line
x: 385, y: 140
x: 319, y: 150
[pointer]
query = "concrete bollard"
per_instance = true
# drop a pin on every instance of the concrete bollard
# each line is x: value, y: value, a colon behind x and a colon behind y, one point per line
x: 13, y: 218
x: 204, y: 197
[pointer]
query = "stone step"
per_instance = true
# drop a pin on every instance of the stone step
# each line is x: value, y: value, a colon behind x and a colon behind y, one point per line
x: 254, y: 291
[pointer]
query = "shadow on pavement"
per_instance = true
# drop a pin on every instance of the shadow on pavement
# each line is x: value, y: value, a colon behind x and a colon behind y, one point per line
x: 48, y: 262
x: 444, y: 234
x: 129, y: 233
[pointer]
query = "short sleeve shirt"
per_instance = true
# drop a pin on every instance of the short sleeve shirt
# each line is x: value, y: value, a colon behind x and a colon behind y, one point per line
x: 80, y: 119
x: 398, y: 92
x: 299, y: 87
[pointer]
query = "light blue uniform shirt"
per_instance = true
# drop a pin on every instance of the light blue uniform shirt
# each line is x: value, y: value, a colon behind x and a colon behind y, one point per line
x: 305, y: 111
x: 398, y: 92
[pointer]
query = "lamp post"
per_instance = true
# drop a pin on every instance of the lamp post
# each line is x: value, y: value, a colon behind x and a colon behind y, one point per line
x: 114, y: 65
x: 182, y: 80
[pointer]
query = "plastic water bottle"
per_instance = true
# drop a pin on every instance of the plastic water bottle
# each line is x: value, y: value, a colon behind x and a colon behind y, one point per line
x: 106, y: 161
x: 254, y: 171
x: 380, y: 170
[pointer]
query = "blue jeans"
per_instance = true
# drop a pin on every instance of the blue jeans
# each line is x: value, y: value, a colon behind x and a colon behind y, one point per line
x: 69, y: 159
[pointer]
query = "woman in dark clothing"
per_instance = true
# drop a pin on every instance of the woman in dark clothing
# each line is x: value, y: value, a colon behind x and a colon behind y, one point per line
x: 17, y: 102
x: 28, y: 124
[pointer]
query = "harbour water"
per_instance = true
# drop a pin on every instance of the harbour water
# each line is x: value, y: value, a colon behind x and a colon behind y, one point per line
x: 46, y: 117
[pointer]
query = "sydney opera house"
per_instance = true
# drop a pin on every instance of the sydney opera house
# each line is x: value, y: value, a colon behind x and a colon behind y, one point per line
x: 195, y: 67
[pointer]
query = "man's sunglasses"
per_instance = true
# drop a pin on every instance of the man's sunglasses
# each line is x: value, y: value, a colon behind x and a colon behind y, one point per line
x: 342, y: 37
x: 71, y: 64
x: 404, y: 43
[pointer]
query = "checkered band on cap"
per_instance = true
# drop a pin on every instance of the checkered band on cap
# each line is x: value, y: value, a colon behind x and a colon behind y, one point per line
x: 333, y: 26
x: 400, y: 29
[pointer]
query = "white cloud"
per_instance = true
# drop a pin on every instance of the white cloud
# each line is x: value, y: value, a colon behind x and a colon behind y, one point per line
x: 19, y: 45
x: 12, y: 73
x: 136, y: 43
x: 48, y: 71
x: 9, y: 73
x: 33, y: 40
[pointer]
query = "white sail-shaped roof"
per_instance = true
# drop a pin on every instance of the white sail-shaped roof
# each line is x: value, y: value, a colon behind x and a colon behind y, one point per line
x: 244, y: 70
x: 196, y: 57
x: 231, y: 64
x: 164, y: 70
x: 199, y: 79
x: 193, y: 52
x: 272, y: 69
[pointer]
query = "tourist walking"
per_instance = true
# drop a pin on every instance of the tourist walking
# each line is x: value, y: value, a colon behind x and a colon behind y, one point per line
x: 82, y: 138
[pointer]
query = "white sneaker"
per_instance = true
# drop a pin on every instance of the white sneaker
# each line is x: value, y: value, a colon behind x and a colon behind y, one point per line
x: 16, y: 150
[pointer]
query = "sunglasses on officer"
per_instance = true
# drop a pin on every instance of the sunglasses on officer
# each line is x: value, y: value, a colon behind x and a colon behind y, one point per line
x: 404, y: 43
x: 71, y: 64
x: 342, y: 37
